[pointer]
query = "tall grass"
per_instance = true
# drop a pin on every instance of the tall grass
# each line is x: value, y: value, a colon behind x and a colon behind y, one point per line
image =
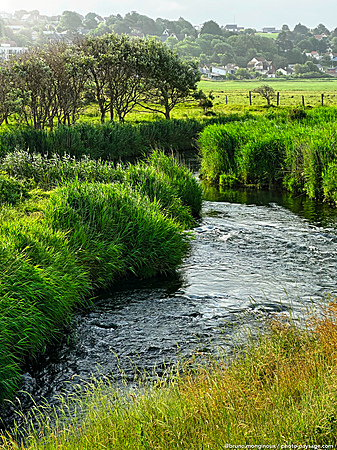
x: 110, y: 141
x: 281, y: 390
x: 59, y: 246
x: 293, y: 152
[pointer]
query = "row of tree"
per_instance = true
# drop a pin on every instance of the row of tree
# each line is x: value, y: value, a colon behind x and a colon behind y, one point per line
x: 54, y: 84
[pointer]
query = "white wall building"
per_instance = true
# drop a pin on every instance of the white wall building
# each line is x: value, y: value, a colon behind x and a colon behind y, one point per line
x: 8, y: 50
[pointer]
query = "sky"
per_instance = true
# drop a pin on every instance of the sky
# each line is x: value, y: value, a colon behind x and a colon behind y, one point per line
x: 247, y: 13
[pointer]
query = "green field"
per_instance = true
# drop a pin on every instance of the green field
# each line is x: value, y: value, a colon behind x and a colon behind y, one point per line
x: 268, y: 35
x: 291, y: 92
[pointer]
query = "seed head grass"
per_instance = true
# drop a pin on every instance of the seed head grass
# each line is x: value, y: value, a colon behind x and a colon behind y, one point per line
x: 280, y: 389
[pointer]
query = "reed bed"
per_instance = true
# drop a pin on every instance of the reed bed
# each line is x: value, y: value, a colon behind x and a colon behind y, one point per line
x: 294, y: 151
x: 96, y: 225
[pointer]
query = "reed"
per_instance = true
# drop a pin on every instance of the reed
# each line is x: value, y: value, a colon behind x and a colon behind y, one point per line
x: 279, y: 390
x: 60, y: 245
x: 292, y: 152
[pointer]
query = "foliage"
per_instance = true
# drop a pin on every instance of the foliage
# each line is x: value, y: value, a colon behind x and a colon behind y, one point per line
x: 171, y: 81
x: 276, y: 150
x: 50, y: 85
x: 111, y: 141
x: 280, y: 386
x: 11, y: 190
x: 58, y: 246
x: 266, y: 92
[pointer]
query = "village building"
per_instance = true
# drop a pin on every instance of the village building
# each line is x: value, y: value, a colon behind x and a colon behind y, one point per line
x: 9, y: 49
x: 260, y: 65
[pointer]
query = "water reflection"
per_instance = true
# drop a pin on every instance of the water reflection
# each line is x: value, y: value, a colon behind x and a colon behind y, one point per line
x: 255, y: 252
x: 316, y: 212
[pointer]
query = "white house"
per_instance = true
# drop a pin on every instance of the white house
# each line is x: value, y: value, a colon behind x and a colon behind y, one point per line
x: 262, y: 66
x: 5, y: 15
x: 7, y: 50
x: 219, y: 70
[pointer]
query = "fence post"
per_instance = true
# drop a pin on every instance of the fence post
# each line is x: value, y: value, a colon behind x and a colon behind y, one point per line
x: 303, y: 100
x: 226, y: 99
x: 278, y: 99
x: 250, y: 98
x: 322, y: 99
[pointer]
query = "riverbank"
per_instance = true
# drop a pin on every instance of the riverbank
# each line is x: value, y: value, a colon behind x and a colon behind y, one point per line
x: 59, y: 245
x: 295, y: 151
x: 278, y: 391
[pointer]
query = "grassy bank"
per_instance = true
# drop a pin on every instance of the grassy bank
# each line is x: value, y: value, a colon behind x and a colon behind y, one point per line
x: 59, y: 245
x: 294, y: 150
x: 111, y: 141
x: 280, y: 390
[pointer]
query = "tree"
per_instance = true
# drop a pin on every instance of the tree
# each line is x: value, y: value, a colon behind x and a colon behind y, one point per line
x: 321, y: 29
x: 90, y: 21
x: 99, y: 61
x: 243, y: 74
x: 205, y: 102
x: 70, y: 20
x: 69, y: 69
x: 32, y: 80
x: 301, y: 29
x: 211, y: 27
x: 266, y: 92
x: 9, y: 94
x: 170, y: 80
x: 117, y: 68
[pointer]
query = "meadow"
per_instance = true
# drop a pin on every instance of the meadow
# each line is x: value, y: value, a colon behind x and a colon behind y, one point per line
x: 237, y: 92
x: 291, y: 92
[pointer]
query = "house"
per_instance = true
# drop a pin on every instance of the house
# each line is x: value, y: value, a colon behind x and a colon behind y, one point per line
x: 332, y: 71
x: 9, y: 49
x: 30, y: 18
x: 231, y: 68
x: 314, y: 54
x: 219, y: 70
x: 204, y: 70
x: 286, y: 70
x: 231, y: 27
x: 270, y: 30
x: 262, y: 66
x: 224, y: 70
x: 15, y: 28
x: 319, y: 37
x: 5, y: 15
x: 319, y: 67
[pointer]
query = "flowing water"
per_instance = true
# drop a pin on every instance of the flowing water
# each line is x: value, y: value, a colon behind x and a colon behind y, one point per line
x: 254, y: 254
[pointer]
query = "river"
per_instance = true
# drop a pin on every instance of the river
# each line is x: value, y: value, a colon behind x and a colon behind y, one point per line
x: 255, y: 254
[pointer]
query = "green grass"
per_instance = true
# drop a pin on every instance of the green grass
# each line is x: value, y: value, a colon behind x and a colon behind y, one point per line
x: 294, y: 151
x: 291, y: 92
x: 279, y: 390
x: 56, y: 247
x: 268, y: 35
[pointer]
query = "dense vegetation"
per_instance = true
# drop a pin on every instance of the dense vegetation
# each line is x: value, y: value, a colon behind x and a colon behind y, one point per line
x: 111, y: 141
x: 212, y: 44
x: 280, y: 390
x: 93, y: 225
x: 294, y: 150
x: 52, y: 85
